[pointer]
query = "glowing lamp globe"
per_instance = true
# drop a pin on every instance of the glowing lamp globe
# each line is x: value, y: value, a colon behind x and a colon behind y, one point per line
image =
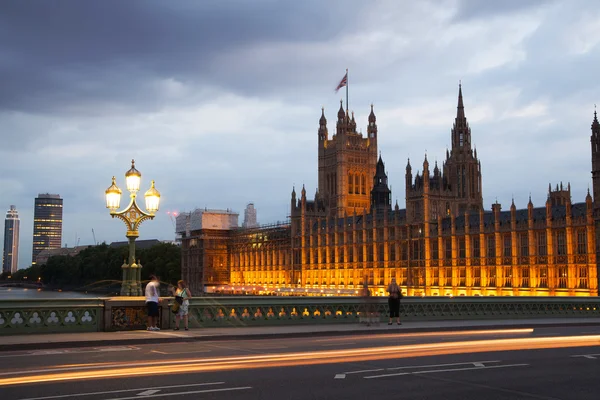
x: 152, y: 199
x: 113, y: 196
x: 133, y: 178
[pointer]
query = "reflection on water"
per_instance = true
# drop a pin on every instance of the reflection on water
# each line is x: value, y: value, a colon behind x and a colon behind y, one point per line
x: 15, y: 293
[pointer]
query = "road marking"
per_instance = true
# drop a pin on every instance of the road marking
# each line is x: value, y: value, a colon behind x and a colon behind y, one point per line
x: 185, y: 393
x: 590, y: 356
x: 365, y: 370
x: 181, y: 352
x: 478, y: 364
x: 148, y: 392
x: 481, y: 364
x: 340, y: 376
x: 64, y: 396
x: 443, y: 370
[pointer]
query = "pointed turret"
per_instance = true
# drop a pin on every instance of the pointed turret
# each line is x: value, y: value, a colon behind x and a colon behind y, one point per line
x: 436, y: 170
x: 372, y: 127
x: 380, y: 194
x: 460, y: 109
x: 323, y: 134
x: 425, y: 164
x: 341, y: 112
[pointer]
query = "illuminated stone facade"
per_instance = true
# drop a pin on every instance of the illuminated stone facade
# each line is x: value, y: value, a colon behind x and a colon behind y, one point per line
x: 443, y: 244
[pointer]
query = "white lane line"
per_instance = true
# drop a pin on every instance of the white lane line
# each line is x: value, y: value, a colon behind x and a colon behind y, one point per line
x: 365, y: 370
x: 64, y: 396
x: 181, y: 352
x: 338, y: 344
x: 444, y: 365
x: 340, y: 376
x: 478, y: 364
x: 590, y: 356
x: 444, y: 370
x: 148, y: 392
x: 185, y: 393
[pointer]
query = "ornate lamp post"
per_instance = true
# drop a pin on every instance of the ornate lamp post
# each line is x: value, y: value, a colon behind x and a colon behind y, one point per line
x: 133, y: 217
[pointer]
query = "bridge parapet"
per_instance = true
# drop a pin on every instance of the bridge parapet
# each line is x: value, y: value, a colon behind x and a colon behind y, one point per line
x: 127, y: 313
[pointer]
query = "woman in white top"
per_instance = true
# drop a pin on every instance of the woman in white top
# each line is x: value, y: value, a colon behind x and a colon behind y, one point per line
x: 182, y: 295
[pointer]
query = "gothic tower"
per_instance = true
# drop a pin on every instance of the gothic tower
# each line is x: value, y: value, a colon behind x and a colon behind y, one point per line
x: 380, y: 194
x: 462, y: 167
x: 595, y: 139
x: 347, y: 164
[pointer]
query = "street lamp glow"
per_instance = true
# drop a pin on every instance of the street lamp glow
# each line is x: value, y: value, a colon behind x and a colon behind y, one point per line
x: 113, y: 196
x: 133, y: 216
x: 152, y: 199
x: 133, y: 178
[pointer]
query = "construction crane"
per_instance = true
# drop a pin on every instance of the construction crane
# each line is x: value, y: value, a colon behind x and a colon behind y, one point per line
x: 94, y: 235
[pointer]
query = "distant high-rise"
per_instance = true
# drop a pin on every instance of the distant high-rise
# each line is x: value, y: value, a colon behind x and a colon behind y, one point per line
x: 47, y: 223
x: 250, y: 217
x: 10, y: 256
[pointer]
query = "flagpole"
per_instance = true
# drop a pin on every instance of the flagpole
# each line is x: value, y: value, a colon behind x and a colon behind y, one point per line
x: 347, y: 82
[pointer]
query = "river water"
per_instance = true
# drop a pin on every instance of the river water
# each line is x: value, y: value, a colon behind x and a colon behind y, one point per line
x: 13, y: 293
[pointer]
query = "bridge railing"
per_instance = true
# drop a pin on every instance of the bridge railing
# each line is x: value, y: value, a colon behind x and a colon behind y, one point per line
x: 126, y: 313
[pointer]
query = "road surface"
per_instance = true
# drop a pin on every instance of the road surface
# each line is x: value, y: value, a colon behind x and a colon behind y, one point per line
x: 541, y: 363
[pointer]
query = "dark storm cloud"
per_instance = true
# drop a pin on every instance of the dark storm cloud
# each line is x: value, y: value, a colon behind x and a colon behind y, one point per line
x: 56, y: 51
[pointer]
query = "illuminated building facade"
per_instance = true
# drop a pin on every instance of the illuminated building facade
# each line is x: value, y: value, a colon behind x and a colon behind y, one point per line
x: 47, y: 223
x: 10, y: 255
x: 442, y: 244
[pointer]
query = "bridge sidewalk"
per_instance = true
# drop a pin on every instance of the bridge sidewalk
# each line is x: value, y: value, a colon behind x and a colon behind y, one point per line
x: 124, y: 338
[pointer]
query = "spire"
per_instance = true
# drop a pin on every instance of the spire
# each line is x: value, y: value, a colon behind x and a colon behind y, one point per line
x: 425, y: 164
x: 460, y: 109
x: 372, y: 118
x: 436, y: 170
x: 341, y: 112
x: 595, y: 123
x: 408, y: 167
x: 322, y: 120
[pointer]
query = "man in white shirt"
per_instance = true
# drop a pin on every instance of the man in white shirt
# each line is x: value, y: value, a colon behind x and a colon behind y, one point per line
x: 152, y: 300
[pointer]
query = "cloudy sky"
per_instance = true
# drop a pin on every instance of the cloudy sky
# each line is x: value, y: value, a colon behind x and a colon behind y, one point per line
x: 219, y: 101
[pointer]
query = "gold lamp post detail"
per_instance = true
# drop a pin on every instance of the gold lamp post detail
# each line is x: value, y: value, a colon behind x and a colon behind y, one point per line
x: 132, y: 216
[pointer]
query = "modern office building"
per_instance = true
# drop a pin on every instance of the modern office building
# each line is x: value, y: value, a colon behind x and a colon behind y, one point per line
x: 10, y: 256
x: 47, y: 223
x: 443, y: 243
x: 250, y: 217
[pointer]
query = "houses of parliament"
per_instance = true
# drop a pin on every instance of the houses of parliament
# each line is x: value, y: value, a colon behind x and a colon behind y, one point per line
x: 443, y: 243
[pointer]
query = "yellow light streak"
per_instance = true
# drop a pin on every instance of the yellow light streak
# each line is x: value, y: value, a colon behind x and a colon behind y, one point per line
x: 186, y: 366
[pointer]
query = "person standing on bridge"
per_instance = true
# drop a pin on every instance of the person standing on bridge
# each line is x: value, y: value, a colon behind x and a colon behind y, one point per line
x: 394, y: 301
x: 152, y: 300
x: 182, y: 295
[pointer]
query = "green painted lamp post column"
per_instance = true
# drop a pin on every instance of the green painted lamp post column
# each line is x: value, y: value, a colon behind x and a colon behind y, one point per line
x: 133, y: 217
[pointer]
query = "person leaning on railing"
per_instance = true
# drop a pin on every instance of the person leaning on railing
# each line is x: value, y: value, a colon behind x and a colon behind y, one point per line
x: 394, y: 301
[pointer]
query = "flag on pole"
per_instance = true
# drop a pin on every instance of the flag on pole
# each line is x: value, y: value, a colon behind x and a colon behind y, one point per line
x: 343, y: 82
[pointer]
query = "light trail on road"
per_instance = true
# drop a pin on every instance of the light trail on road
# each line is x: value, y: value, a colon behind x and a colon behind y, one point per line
x: 191, y: 365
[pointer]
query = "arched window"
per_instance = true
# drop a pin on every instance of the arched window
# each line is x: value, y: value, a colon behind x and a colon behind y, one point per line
x: 350, y: 183
x: 363, y: 184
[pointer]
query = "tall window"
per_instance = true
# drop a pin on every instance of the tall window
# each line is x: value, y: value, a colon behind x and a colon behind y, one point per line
x: 583, y: 277
x: 350, y: 183
x: 507, y: 276
x: 562, y: 277
x: 541, y: 244
x: 491, y: 246
x: 581, y: 242
x: 356, y: 184
x: 461, y: 139
x: 380, y: 255
x: 543, y: 277
x: 507, y: 246
x: 476, y: 276
x: 448, y: 276
x: 448, y: 250
x: 435, y: 276
x: 524, y: 245
x: 363, y: 184
x: 462, y: 276
x: 475, y: 246
x: 525, y: 277
x: 561, y: 245
x: 461, y: 248
x: 435, y: 254
x: 492, y: 277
